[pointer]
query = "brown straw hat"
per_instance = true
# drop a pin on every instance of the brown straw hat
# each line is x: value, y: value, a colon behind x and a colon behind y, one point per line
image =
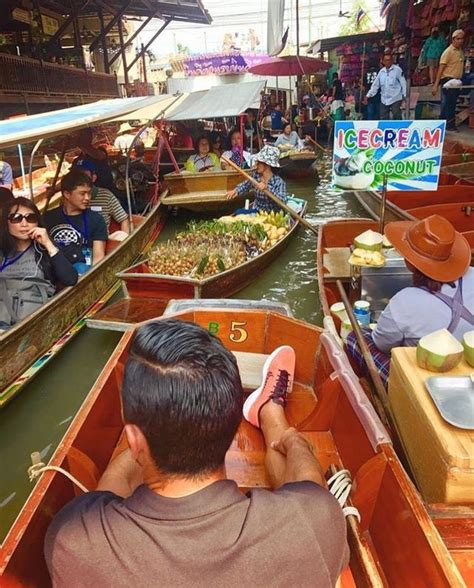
x: 433, y: 246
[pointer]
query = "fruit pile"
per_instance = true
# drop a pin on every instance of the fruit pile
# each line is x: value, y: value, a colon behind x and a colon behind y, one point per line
x: 206, y: 248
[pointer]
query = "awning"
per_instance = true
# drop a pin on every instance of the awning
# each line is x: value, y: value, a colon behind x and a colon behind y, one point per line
x: 57, y: 122
x: 218, y: 101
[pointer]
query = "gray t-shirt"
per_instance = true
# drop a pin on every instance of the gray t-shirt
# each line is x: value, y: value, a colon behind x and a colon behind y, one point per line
x: 294, y: 536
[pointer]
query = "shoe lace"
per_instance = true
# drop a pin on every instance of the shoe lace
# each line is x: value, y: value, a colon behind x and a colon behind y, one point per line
x: 280, y: 391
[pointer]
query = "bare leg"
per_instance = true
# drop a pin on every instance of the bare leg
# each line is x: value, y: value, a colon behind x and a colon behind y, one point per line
x: 289, y: 457
x: 432, y: 74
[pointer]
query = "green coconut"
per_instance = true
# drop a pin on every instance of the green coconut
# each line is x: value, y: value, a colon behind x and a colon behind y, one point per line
x: 468, y: 344
x: 369, y: 240
x: 439, y: 351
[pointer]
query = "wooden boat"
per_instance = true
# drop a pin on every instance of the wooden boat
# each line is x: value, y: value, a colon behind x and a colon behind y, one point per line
x: 146, y: 294
x: 452, y: 158
x: 454, y: 521
x: 299, y: 164
x: 459, y: 173
x: 396, y: 543
x: 204, y: 192
x: 28, y: 341
x: 456, y: 203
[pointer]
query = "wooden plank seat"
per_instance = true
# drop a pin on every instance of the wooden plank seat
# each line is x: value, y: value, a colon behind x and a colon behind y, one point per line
x: 336, y: 263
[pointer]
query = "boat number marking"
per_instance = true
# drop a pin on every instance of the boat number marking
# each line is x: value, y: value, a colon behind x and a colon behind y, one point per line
x: 237, y: 333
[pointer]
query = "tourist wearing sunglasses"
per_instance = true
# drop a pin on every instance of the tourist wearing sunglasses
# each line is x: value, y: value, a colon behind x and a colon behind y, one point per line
x: 31, y: 266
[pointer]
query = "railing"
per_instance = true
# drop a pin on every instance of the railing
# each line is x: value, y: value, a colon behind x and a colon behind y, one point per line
x: 22, y: 75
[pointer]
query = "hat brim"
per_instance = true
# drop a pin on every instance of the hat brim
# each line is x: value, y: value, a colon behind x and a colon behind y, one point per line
x: 442, y: 271
x: 262, y: 160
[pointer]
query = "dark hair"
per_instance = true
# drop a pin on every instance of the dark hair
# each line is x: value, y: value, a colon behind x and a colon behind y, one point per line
x: 199, y: 139
x: 229, y: 137
x: 335, y: 75
x: 7, y: 242
x: 5, y: 195
x: 421, y: 280
x: 182, y: 388
x: 73, y: 179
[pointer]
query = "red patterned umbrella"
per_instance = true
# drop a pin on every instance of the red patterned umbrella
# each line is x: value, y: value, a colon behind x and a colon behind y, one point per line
x: 290, y: 65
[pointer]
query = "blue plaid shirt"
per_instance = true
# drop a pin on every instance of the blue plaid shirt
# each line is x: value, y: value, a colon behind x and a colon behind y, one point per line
x: 276, y: 186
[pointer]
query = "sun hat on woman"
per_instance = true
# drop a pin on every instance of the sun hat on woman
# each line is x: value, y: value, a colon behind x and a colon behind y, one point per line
x: 269, y: 155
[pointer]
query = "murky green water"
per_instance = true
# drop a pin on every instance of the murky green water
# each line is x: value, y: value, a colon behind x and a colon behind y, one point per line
x: 39, y: 417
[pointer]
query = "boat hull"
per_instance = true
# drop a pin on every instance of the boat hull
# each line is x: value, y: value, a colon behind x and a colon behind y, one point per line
x: 27, y: 341
x: 141, y: 283
x: 341, y: 426
x: 299, y: 165
x: 204, y: 192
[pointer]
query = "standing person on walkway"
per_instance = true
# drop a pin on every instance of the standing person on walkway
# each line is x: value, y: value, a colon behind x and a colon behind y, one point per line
x: 451, y: 67
x: 431, y: 52
x: 393, y: 87
x: 164, y: 509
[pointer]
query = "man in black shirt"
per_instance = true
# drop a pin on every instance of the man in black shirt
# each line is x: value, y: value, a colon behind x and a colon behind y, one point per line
x: 81, y: 233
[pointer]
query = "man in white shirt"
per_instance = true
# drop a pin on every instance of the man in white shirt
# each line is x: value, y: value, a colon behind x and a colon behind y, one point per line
x: 393, y: 88
x: 125, y: 138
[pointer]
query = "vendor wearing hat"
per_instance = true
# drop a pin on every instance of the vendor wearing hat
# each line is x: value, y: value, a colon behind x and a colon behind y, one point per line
x: 442, y: 295
x: 125, y: 138
x: 267, y: 160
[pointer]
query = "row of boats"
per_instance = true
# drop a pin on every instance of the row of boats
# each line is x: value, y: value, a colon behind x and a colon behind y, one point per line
x: 401, y: 539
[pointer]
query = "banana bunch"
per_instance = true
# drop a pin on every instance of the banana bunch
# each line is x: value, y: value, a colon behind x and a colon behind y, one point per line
x: 277, y: 219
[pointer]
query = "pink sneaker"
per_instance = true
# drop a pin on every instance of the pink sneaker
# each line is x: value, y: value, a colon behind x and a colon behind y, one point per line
x: 278, y: 374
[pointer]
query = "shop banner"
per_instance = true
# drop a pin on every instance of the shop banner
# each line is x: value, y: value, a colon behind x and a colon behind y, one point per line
x: 407, y: 152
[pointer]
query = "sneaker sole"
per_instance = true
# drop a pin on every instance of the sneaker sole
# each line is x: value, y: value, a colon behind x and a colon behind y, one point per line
x: 252, y: 404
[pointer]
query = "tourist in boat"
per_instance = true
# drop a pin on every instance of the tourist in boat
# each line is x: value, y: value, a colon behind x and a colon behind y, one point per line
x: 288, y: 139
x: 267, y: 161
x: 442, y: 295
x: 106, y: 204
x: 203, y: 160
x: 216, y: 143
x: 80, y: 232
x: 31, y: 266
x: 6, y: 175
x: 164, y: 508
x: 97, y: 155
x: 236, y: 151
x: 125, y: 138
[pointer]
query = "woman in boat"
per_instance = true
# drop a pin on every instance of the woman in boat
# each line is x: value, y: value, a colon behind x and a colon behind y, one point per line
x: 203, y: 160
x: 236, y: 151
x: 267, y: 161
x: 288, y: 139
x: 31, y: 266
x: 442, y: 295
x: 216, y: 143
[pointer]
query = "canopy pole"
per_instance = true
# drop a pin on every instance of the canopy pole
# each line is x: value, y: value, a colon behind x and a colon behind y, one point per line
x: 241, y: 151
x: 30, y: 170
x: 22, y: 164
x: 129, y: 151
x: 52, y: 190
x: 361, y: 79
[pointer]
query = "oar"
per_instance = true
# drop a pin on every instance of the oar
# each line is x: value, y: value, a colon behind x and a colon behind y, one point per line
x: 272, y: 196
x: 317, y: 144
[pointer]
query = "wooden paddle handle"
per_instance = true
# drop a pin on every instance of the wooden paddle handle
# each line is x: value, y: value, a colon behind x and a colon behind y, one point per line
x: 317, y: 144
x: 272, y: 196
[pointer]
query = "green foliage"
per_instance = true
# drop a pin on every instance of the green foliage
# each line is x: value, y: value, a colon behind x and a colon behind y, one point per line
x: 350, y: 26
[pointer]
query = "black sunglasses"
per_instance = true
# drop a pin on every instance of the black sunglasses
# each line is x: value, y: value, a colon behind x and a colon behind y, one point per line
x: 30, y: 218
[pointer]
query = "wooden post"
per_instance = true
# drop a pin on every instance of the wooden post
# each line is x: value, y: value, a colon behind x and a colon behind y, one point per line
x: 122, y: 51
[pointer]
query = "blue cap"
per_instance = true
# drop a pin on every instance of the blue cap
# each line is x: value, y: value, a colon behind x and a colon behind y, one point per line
x: 86, y: 164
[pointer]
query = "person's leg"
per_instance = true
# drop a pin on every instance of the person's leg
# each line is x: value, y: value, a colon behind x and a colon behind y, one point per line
x: 396, y: 110
x: 432, y: 74
x: 451, y: 100
x: 442, y: 113
x: 273, y: 424
x: 384, y: 112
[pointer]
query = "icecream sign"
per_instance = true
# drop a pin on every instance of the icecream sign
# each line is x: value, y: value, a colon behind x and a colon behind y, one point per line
x: 407, y: 152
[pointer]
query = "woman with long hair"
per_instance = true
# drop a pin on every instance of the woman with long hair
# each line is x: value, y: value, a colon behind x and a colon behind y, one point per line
x: 31, y: 266
x: 236, y: 150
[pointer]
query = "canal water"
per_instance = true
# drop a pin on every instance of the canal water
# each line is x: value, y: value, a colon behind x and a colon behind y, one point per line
x: 39, y: 417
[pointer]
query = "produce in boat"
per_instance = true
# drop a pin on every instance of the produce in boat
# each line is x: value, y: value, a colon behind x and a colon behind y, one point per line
x: 207, y: 248
x: 439, y: 351
x: 349, y: 174
x: 468, y: 344
x: 369, y: 240
x: 363, y: 257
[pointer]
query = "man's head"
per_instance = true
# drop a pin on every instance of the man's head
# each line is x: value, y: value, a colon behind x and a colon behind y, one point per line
x: 88, y: 167
x: 335, y: 76
x: 387, y: 59
x: 458, y: 38
x: 76, y: 188
x: 182, y: 399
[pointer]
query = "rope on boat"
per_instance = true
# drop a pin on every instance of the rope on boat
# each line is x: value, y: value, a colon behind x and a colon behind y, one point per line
x: 38, y: 467
x: 340, y: 486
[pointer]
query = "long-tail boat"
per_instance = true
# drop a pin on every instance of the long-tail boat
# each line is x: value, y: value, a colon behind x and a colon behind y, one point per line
x: 456, y: 203
x: 146, y: 293
x: 458, y: 173
x: 204, y: 192
x: 454, y: 520
x: 395, y: 543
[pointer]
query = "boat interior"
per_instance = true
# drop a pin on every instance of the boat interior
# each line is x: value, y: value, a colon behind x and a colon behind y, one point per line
x: 327, y: 404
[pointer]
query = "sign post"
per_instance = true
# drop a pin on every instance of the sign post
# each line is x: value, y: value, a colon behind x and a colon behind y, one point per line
x: 407, y: 154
